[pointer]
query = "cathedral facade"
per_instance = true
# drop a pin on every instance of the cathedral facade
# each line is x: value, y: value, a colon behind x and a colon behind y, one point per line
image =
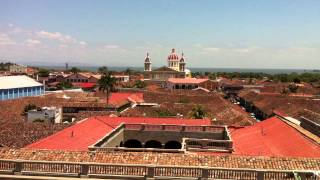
x: 176, y: 68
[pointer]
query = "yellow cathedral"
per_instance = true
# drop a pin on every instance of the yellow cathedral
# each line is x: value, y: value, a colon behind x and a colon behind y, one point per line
x: 176, y: 68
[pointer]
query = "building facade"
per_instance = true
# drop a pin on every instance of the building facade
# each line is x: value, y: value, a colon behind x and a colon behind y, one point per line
x: 13, y: 87
x: 18, y: 69
x: 47, y: 114
x: 176, y: 68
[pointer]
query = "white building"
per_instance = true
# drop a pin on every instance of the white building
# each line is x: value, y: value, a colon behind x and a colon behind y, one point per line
x: 12, y: 87
x: 18, y: 69
x: 48, y: 114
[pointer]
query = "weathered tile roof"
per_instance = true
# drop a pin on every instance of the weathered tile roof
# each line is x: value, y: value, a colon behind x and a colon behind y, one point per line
x: 221, y: 161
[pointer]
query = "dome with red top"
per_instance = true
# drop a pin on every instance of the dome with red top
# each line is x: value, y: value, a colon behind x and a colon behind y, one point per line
x: 173, y: 55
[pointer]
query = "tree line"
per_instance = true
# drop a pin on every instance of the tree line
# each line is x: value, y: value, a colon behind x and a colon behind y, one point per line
x: 309, y: 77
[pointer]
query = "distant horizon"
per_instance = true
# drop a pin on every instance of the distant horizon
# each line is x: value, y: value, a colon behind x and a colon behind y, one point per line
x: 194, y: 69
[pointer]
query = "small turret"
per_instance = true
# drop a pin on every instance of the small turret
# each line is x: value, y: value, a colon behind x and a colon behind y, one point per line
x: 182, y: 64
x: 147, y: 63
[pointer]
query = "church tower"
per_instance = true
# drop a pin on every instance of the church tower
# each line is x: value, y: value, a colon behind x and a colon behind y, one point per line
x: 173, y: 60
x: 147, y: 63
x: 182, y: 64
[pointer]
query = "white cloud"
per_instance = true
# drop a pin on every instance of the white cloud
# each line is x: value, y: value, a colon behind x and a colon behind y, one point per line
x: 82, y: 43
x: 6, y: 40
x: 212, y: 49
x: 246, y: 50
x: 56, y: 36
x: 111, y: 46
x: 62, y: 46
x: 32, y: 42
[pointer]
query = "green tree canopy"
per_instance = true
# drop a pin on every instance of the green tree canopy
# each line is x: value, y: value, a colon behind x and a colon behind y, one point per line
x: 44, y: 73
x: 103, y: 70
x: 75, y: 70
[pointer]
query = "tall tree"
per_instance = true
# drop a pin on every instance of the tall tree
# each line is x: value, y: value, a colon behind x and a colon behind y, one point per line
x: 103, y: 70
x: 107, y: 84
x: 75, y: 70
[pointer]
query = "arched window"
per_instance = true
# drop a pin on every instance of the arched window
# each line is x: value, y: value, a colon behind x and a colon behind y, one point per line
x: 153, y: 144
x: 133, y: 143
x: 172, y: 145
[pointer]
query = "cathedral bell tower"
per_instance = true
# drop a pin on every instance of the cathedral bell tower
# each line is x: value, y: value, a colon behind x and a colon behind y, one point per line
x: 147, y: 63
x: 182, y: 64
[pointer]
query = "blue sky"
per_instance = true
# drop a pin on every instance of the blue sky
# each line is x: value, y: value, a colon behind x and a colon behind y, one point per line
x: 211, y: 33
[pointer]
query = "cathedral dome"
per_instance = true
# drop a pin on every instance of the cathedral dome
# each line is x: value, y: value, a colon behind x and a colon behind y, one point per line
x: 173, y: 55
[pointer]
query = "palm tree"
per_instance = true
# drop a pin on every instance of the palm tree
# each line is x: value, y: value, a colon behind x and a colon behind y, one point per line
x: 107, y: 84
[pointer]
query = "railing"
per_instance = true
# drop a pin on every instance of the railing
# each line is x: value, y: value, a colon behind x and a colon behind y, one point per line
x: 171, y: 127
x: 194, y: 144
x: 50, y: 168
x: 124, y: 149
x: 7, y: 165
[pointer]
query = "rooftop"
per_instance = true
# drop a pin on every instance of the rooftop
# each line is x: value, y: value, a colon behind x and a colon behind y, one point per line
x: 119, y: 99
x: 10, y: 82
x: 219, y: 161
x: 186, y: 80
x: 273, y: 137
x: 89, y: 131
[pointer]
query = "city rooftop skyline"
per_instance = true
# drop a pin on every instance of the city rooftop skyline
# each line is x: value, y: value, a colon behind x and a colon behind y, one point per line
x: 215, y: 34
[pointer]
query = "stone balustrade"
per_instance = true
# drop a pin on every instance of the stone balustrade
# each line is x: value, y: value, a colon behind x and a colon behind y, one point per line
x: 194, y: 144
x: 87, y: 170
x: 170, y: 127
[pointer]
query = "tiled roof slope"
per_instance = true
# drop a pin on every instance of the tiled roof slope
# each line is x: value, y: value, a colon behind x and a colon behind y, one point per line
x: 89, y: 131
x: 273, y: 137
x: 119, y: 99
x: 187, y: 80
x: 221, y: 161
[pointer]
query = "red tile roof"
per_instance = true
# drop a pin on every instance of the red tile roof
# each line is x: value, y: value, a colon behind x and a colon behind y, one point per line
x: 186, y: 80
x: 119, y: 99
x: 273, y: 137
x: 89, y: 131
x: 84, y: 85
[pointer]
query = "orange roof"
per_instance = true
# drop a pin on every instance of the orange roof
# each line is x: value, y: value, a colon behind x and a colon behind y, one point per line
x: 89, y: 131
x: 119, y: 99
x: 273, y: 137
x: 186, y: 80
x: 84, y: 85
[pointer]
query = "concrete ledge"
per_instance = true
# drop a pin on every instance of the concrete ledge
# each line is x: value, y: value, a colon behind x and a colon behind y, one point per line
x: 33, y: 173
x: 106, y: 176
x: 7, y: 177
x: 6, y: 171
x: 167, y: 177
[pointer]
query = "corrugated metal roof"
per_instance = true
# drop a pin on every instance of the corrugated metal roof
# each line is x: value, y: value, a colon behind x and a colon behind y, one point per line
x: 10, y: 82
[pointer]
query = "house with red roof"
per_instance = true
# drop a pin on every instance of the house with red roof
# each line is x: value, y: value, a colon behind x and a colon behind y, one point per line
x: 120, y: 101
x: 271, y: 138
x: 89, y: 131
